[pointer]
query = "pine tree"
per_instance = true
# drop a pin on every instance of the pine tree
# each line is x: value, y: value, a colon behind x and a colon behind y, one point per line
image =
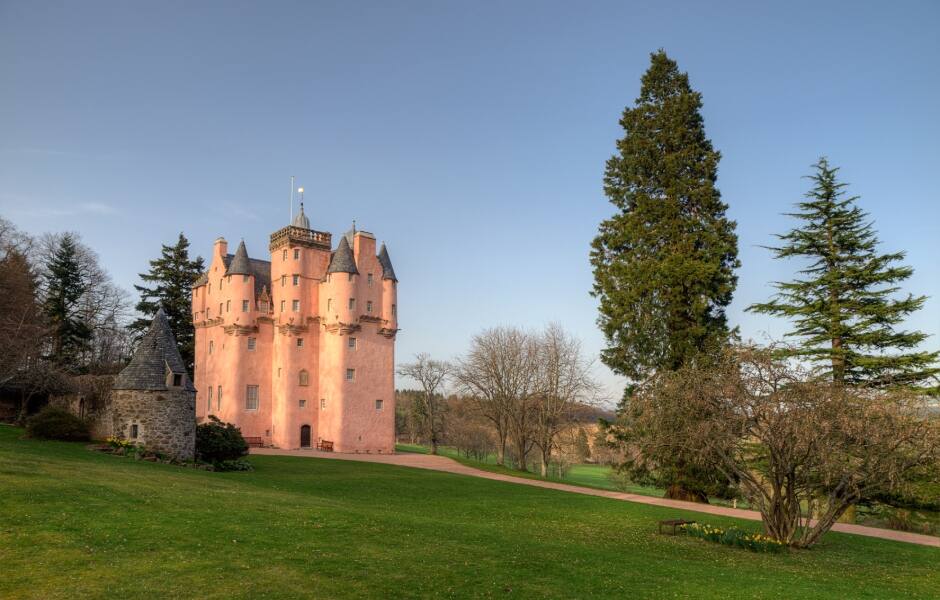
x: 664, y: 263
x: 846, y: 308
x: 66, y: 282
x: 173, y: 275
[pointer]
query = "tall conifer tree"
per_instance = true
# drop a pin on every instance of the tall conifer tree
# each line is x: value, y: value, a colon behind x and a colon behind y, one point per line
x: 173, y: 276
x: 846, y: 307
x: 66, y: 282
x: 664, y: 263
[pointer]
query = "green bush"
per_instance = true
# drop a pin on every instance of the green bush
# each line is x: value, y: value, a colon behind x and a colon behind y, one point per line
x: 57, y: 424
x: 233, y: 465
x: 217, y: 442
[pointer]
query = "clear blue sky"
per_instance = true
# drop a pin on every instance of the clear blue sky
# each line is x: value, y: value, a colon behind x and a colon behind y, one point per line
x: 470, y: 136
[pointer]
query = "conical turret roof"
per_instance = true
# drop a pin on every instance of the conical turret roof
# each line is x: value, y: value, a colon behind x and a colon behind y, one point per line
x: 300, y: 219
x: 387, y: 271
x: 156, y: 357
x: 343, y: 260
x: 240, y: 264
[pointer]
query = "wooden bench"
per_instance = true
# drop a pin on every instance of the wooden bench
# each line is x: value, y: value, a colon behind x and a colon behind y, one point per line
x: 674, y: 523
x: 254, y: 442
x: 325, y: 446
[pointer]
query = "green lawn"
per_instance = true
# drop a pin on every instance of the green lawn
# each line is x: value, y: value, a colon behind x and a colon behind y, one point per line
x: 77, y: 524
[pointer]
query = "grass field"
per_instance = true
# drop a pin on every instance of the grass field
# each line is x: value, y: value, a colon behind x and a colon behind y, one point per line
x: 77, y: 524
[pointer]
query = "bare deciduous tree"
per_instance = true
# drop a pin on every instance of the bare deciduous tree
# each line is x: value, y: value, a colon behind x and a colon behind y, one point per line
x: 432, y: 375
x: 800, y: 450
x: 563, y: 382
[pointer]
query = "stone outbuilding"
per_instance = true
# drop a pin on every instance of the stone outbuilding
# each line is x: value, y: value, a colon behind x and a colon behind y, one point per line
x: 153, y: 401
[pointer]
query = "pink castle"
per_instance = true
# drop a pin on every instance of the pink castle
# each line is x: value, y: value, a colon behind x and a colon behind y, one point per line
x: 300, y: 349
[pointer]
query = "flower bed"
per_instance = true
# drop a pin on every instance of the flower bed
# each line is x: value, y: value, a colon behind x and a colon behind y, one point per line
x: 732, y: 536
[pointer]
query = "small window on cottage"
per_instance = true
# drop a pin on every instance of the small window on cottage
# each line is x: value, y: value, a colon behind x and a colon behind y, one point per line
x: 300, y: 342
x: 369, y: 279
x: 352, y: 304
x: 350, y: 374
x: 244, y: 306
x: 322, y: 404
x: 352, y: 343
x: 252, y: 342
x: 296, y: 279
x: 296, y: 253
x: 134, y: 431
x: 369, y: 306
x: 295, y: 305
x: 378, y: 405
x: 304, y: 377
x: 302, y: 403
x: 251, y: 397
x: 177, y: 380
x: 218, y: 398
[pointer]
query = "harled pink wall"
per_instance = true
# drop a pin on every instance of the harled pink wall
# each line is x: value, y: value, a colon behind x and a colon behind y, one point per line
x: 350, y: 418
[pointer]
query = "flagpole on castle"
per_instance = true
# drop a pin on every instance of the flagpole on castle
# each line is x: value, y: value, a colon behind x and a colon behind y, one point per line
x: 291, y: 199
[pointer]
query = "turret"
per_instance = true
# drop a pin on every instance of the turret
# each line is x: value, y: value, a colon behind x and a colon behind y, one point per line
x: 389, y: 292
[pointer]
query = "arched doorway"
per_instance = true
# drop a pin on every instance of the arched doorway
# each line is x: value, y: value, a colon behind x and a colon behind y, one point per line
x: 304, y: 436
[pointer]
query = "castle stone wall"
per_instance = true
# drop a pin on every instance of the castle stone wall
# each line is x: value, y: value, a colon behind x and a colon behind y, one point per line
x: 165, y: 419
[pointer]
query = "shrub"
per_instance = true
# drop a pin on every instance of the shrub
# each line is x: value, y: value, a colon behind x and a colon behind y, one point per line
x: 732, y: 536
x: 217, y: 441
x: 57, y: 424
x: 233, y: 465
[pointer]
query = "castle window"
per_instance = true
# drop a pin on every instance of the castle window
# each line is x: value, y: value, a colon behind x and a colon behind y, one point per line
x: 251, y: 398
x: 283, y: 280
x: 296, y: 253
x: 352, y: 304
x: 244, y: 306
x: 208, y: 311
x: 295, y: 305
x: 209, y: 404
x: 218, y: 398
x: 220, y: 308
x: 329, y: 304
x: 369, y: 279
x: 322, y: 404
x: 282, y: 305
x: 220, y: 283
x: 394, y: 310
x: 177, y: 380
x: 252, y: 342
x: 211, y: 346
x: 134, y: 431
x: 263, y: 306
x: 228, y: 305
x: 369, y: 306
x: 302, y: 403
x: 304, y: 377
x: 350, y: 374
x: 296, y: 279
x: 244, y: 278
x: 352, y: 343
x: 284, y: 255
x: 378, y: 405
x: 279, y: 371
x: 300, y: 342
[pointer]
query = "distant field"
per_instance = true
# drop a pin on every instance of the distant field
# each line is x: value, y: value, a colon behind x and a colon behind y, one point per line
x: 76, y: 524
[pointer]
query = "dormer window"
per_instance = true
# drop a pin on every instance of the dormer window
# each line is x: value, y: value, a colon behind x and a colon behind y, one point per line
x: 177, y: 380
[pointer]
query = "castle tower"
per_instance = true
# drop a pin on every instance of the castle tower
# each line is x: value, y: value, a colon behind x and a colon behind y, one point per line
x: 153, y: 400
x: 311, y: 358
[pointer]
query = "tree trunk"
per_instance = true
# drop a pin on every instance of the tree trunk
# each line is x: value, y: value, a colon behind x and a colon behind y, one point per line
x: 501, y: 448
x: 521, y: 456
x: 545, y: 463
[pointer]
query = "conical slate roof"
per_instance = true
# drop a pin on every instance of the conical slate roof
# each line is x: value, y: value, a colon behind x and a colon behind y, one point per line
x: 387, y: 271
x: 343, y: 260
x: 301, y: 220
x: 240, y: 264
x: 156, y: 356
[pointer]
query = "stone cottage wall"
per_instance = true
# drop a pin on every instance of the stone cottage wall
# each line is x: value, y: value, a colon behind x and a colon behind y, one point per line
x: 166, y: 420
